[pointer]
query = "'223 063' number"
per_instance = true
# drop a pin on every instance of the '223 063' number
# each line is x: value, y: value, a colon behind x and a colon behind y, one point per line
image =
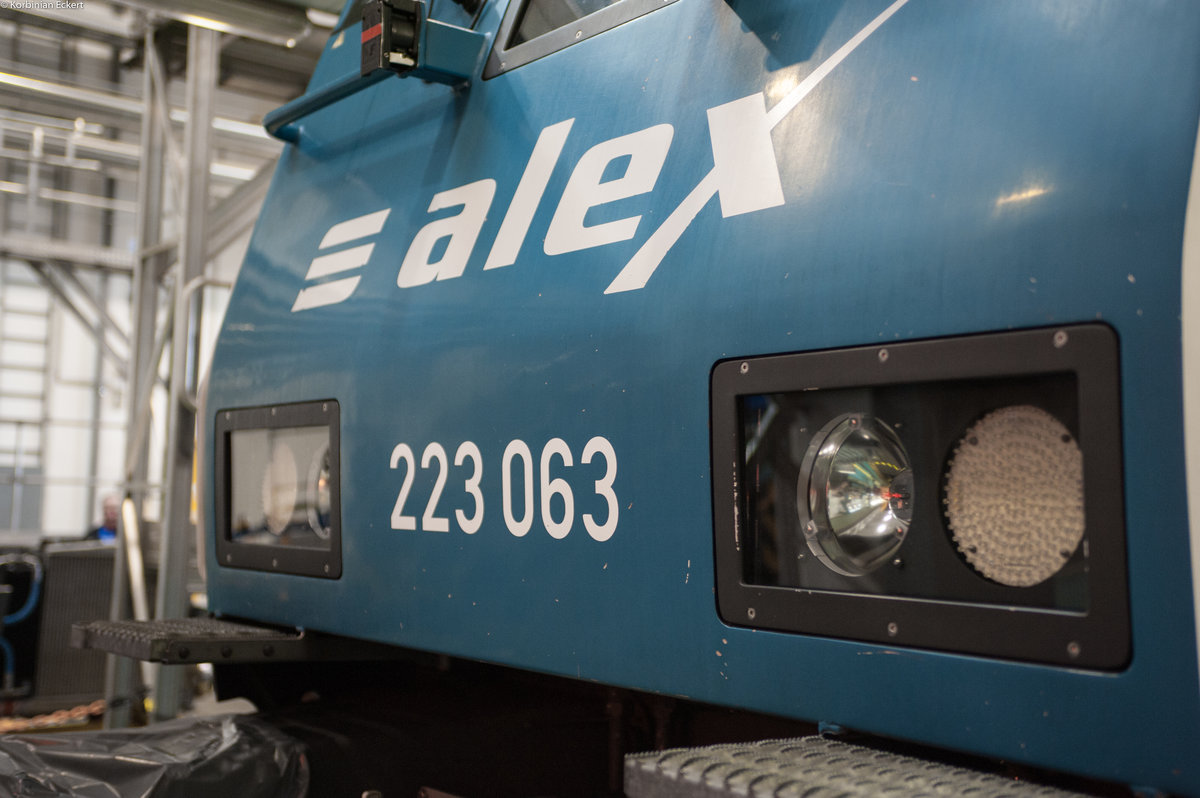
x: 516, y: 455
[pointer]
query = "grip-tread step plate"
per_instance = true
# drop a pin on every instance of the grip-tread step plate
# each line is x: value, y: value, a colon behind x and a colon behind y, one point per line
x: 182, y: 641
x: 811, y: 767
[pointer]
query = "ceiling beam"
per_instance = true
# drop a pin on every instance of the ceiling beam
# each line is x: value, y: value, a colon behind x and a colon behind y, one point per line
x: 264, y: 21
x: 36, y: 248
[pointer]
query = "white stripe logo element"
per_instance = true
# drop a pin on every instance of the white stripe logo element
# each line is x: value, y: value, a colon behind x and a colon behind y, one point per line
x: 334, y: 291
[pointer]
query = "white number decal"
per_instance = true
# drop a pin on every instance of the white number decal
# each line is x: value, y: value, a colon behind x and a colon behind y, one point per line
x: 521, y: 527
x: 399, y: 519
x: 598, y: 445
x: 556, y: 487
x: 547, y: 488
x: 469, y: 450
x: 429, y: 521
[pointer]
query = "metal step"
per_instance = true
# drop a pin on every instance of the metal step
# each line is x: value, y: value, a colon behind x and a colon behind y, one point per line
x: 811, y: 767
x: 184, y: 641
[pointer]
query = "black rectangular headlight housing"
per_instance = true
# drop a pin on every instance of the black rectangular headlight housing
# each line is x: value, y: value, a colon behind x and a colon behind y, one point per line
x: 960, y: 494
x: 278, y: 496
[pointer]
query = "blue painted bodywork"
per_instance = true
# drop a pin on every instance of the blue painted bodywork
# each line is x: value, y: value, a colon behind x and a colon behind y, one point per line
x: 969, y: 167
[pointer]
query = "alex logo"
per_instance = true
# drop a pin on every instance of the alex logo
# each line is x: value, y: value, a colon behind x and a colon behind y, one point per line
x: 744, y: 177
x: 340, y: 261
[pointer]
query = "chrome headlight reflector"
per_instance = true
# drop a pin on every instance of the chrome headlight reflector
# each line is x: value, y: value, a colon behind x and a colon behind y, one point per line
x: 859, y: 490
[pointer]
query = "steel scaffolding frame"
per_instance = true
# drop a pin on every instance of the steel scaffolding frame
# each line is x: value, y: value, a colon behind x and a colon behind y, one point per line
x: 179, y: 232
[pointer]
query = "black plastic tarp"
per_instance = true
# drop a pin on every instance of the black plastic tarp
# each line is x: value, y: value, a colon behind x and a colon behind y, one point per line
x: 226, y: 755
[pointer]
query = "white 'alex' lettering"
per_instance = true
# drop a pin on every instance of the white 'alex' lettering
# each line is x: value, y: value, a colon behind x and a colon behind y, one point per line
x: 646, y: 151
x: 647, y: 259
x: 528, y: 195
x: 462, y: 230
x: 744, y: 157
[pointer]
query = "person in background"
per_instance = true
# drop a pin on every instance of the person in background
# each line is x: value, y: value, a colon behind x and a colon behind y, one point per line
x: 106, y: 532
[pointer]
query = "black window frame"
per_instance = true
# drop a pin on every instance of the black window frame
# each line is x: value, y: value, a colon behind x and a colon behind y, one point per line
x: 323, y: 563
x: 504, y: 58
x: 1100, y: 638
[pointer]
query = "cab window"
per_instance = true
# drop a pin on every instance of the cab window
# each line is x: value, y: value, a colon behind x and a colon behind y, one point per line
x: 539, y: 17
x: 532, y: 29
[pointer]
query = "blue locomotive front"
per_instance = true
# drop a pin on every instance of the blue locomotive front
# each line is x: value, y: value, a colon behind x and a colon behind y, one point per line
x: 819, y: 359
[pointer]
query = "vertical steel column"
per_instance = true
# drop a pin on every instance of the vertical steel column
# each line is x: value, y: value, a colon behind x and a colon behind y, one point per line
x: 18, y: 478
x: 33, y: 182
x: 202, y: 63
x: 6, y: 176
x: 97, y: 400
x: 103, y: 318
x: 120, y: 689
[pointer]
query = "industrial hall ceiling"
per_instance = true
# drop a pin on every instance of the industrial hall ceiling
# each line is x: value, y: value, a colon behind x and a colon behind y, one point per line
x: 73, y: 98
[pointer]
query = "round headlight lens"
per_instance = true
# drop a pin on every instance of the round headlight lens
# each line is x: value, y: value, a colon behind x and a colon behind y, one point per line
x: 279, y: 488
x: 855, y: 494
x: 319, y: 505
